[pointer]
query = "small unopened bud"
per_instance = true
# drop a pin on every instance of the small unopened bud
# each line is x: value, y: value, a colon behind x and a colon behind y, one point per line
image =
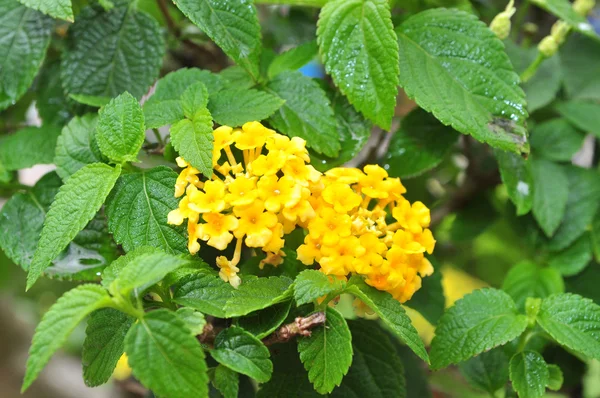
x: 583, y: 7
x: 559, y: 31
x: 548, y: 46
x: 501, y: 23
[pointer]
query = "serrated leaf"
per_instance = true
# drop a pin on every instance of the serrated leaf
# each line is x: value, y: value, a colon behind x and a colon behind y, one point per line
x: 244, y: 353
x: 193, y: 139
x: 529, y: 280
x: 293, y: 59
x: 573, y: 321
x: 25, y: 36
x: 585, y: 115
x: 137, y: 211
x: 455, y: 67
x: 487, y: 371
x: 556, y: 140
x: 517, y: 176
x: 391, y: 312
x: 226, y: 381
x: 256, y: 294
x: 28, y: 147
x: 104, y: 344
x: 77, y: 146
x: 311, y: 284
x: 110, y: 273
x: 112, y: 52
x: 60, y: 9
x: 430, y: 301
x: 232, y: 25
x: 193, y: 319
x: 91, y: 100
x: 420, y: 144
x: 194, y: 99
x: 236, y: 77
x: 306, y: 113
x: 204, y: 291
x: 264, y: 322
x: 565, y: 12
x: 478, y: 322
x: 550, y: 194
x: 376, y: 370
x: 165, y: 356
x: 120, y: 131
x: 360, y: 51
x: 580, y: 62
x: 234, y: 107
x: 555, y: 378
x: 574, y: 258
x: 327, y: 352
x: 56, y: 325
x: 529, y: 374
x: 76, y: 203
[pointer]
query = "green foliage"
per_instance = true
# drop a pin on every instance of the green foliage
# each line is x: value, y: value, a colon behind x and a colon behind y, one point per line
x: 582, y: 114
x: 77, y: 146
x: 256, y: 294
x: 556, y: 140
x: 487, y: 371
x: 517, y: 176
x: 529, y: 374
x: 311, y: 285
x: 28, y: 147
x: 234, y: 107
x: 193, y: 319
x: 550, y: 194
x: 203, y: 291
x: 55, y: 8
x: 226, y: 381
x: 264, y: 322
x: 579, y: 61
x: 293, y: 59
x: 529, y: 280
x: 563, y: 10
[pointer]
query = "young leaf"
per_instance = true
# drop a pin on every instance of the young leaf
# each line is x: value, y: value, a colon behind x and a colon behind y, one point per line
x: 165, y: 356
x: 529, y: 374
x: 256, y: 294
x: 232, y: 25
x: 25, y: 36
x: 74, y: 206
x: 60, y: 9
x: 226, y: 381
x: 573, y: 321
x: 556, y: 140
x: 529, y: 280
x: 193, y: 139
x: 264, y: 322
x: 137, y: 211
x: 58, y: 323
x: 306, y: 112
x: 478, y: 322
x: 204, y: 291
x: 391, y: 312
x: 104, y: 344
x: 517, y: 177
x: 243, y: 353
x: 550, y: 194
x: 574, y: 258
x: 487, y: 371
x: 360, y: 52
x: 563, y: 10
x: 580, y: 62
x: 463, y: 76
x: 108, y: 58
x: 293, y: 59
x: 194, y: 100
x: 120, y: 131
x: 234, y: 107
x: 193, y: 319
x: 327, y: 352
x: 555, y: 378
x: 311, y: 284
x: 585, y: 115
x: 28, y: 147
x: 77, y: 146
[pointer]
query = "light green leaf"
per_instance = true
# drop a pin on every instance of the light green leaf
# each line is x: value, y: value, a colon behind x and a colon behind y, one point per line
x: 293, y: 59
x: 580, y: 62
x: 77, y: 146
x: 108, y: 58
x: 203, y: 291
x: 193, y: 319
x: 236, y: 77
x: 487, y: 371
x: 455, y: 67
x: 573, y: 321
x: 111, y: 272
x: 256, y: 294
x: 529, y: 280
x: 194, y: 100
x: 327, y: 352
x: 120, y: 131
x: 232, y: 25
x: 564, y: 11
x: 104, y: 344
x: 25, y: 36
x: 264, y: 322
x: 226, y: 381
x: 555, y: 378
x: 311, y: 284
x: 58, y: 323
x: 306, y: 113
x: 165, y: 356
x: 234, y: 107
x: 28, y: 147
x: 420, y: 144
x: 138, y: 207
x: 193, y: 139
x: 517, y: 177
x: 478, y: 322
x: 60, y: 9
x: 529, y: 374
x: 550, y: 194
x: 391, y: 312
x: 244, y: 353
x: 360, y: 51
x: 556, y: 140
x: 91, y: 100
x: 584, y: 115
x: 574, y: 258
x: 76, y: 203
x: 430, y: 301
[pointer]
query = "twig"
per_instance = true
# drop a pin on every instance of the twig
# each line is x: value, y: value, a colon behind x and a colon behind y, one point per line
x: 300, y: 327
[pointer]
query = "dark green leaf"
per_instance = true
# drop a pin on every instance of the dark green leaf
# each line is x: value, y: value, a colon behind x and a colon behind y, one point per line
x: 256, y: 294
x: 574, y: 258
x: 226, y: 381
x: 91, y: 100
x: 580, y: 61
x: 429, y: 301
x: 293, y: 59
x: 556, y: 140
x: 585, y: 283
x: 204, y: 291
x: 550, y: 194
x: 28, y: 147
x: 264, y: 322
x: 584, y: 115
x: 529, y: 280
x: 236, y: 77
x: 487, y: 371
x: 234, y: 107
x: 529, y: 374
x: 517, y: 177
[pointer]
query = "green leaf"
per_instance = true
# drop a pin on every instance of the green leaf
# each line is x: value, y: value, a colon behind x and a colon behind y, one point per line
x: 584, y: 115
x: 58, y: 323
x: 193, y: 139
x: 528, y: 280
x: 244, y: 353
x: 306, y: 113
x: 165, y: 356
x: 563, y: 10
x: 455, y: 67
x: 555, y: 378
x: 138, y: 207
x: 573, y: 321
x: 327, y: 352
x: 556, y: 140
x: 376, y: 370
x: 236, y: 77
x: 28, y: 147
x: 311, y: 284
x: 193, y: 319
x: 60, y: 9
x: 226, y: 381
x: 234, y: 107
x: 256, y: 294
x: 107, y: 58
x: 430, y: 301
x: 574, y: 258
x: 293, y: 59
x: 91, y: 100
x: 595, y: 236
x: 51, y: 103
x: 550, y: 194
x: 529, y: 374
x: 360, y: 51
x: 76, y: 203
x: 194, y: 100
x: 420, y: 144
x: 517, y: 177
x: 232, y: 25
x: 204, y: 291
x: 478, y: 322
x: 585, y: 283
x: 264, y: 322
x: 120, y: 131
x: 25, y: 36
x: 580, y: 62
x: 77, y: 146
x: 415, y: 373
x: 111, y: 272
x: 391, y: 312
x: 487, y: 371
x: 104, y: 344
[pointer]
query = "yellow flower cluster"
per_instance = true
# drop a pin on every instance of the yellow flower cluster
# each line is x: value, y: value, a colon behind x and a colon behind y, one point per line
x: 351, y: 232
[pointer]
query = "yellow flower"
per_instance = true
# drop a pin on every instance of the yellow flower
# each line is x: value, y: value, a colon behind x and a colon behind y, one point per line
x: 295, y: 147
x: 193, y: 245
x: 255, y: 224
x: 242, y: 191
x: 217, y: 229
x: 372, y: 184
x: 209, y: 200
x: 228, y: 271
x: 275, y: 244
x: 339, y: 259
x: 267, y: 165
x: 279, y: 193
x: 252, y: 135
x: 341, y: 197
x: 330, y: 226
x: 344, y: 175
x: 310, y: 251
x: 413, y: 217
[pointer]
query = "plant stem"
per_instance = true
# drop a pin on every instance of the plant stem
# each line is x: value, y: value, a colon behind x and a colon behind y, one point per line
x: 532, y: 68
x: 158, y: 137
x: 524, y: 339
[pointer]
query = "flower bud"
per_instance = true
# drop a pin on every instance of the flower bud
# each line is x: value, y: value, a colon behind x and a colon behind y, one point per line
x: 583, y: 7
x: 501, y: 23
x: 548, y: 46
